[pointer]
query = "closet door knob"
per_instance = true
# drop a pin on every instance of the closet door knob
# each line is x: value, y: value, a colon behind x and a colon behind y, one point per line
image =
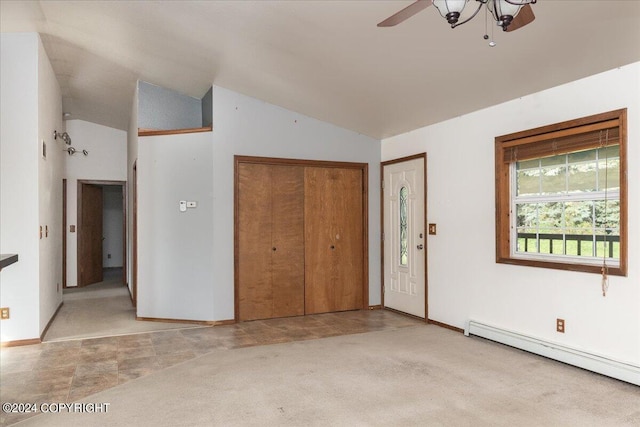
x: 273, y: 249
x: 332, y: 247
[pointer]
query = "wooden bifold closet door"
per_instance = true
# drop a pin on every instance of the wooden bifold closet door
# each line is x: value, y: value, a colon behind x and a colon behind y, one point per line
x: 300, y: 239
x: 333, y: 239
x: 271, y: 241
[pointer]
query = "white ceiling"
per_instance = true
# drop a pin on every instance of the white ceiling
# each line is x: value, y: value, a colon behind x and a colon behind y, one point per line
x: 324, y: 59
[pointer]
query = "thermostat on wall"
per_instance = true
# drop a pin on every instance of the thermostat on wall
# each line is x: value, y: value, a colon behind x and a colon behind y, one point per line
x: 183, y: 205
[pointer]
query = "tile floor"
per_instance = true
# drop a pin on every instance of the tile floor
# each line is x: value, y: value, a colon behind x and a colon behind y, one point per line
x: 67, y: 371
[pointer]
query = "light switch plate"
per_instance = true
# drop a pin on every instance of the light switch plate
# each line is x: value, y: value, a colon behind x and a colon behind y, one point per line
x: 192, y: 204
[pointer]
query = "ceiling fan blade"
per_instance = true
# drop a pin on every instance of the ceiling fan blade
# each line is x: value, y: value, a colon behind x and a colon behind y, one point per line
x: 523, y: 18
x: 405, y: 13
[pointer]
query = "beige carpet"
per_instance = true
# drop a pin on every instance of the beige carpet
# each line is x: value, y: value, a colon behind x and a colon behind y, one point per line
x: 422, y: 375
x: 99, y: 310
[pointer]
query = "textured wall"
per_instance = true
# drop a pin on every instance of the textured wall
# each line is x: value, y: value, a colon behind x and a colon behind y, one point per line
x: 207, y: 108
x: 160, y: 108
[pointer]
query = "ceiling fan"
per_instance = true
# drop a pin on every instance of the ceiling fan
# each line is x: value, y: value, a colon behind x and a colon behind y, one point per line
x: 508, y: 14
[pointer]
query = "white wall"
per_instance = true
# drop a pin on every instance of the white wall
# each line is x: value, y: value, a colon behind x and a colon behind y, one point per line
x: 112, y: 226
x: 50, y: 188
x: 132, y: 155
x: 186, y: 265
x: 31, y: 186
x: 107, y: 161
x: 247, y: 126
x: 19, y: 151
x: 175, y: 258
x: 463, y: 278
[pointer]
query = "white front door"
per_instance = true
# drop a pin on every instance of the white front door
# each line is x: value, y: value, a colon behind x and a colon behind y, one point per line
x: 404, y: 236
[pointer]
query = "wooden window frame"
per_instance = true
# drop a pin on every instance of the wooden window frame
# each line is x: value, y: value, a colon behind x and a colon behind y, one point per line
x: 537, y: 143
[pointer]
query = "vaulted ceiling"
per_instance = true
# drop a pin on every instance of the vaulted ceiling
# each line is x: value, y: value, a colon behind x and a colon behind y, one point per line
x: 324, y: 59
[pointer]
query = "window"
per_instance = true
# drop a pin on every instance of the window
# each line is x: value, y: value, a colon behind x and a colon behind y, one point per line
x: 561, y: 195
x: 404, y: 255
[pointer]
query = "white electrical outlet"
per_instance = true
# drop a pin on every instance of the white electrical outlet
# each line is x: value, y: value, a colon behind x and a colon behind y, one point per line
x: 183, y: 205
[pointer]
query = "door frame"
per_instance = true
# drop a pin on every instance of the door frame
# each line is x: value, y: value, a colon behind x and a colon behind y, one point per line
x: 64, y: 233
x: 426, y: 249
x: 123, y: 185
x: 134, y: 234
x: 364, y: 167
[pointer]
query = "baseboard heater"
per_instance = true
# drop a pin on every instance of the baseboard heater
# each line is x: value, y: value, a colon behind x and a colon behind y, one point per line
x: 582, y: 359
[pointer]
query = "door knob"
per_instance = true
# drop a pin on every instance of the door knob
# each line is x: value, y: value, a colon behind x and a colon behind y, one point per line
x: 420, y: 247
x: 332, y: 247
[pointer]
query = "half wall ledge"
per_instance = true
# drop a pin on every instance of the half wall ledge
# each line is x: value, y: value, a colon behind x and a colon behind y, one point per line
x: 156, y: 132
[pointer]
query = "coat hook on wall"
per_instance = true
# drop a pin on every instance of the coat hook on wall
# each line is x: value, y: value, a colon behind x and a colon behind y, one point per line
x: 64, y: 136
x: 73, y: 151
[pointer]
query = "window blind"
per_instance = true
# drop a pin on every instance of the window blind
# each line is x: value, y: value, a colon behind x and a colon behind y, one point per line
x: 557, y: 143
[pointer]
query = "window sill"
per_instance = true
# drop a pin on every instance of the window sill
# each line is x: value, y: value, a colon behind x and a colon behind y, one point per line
x: 617, y: 270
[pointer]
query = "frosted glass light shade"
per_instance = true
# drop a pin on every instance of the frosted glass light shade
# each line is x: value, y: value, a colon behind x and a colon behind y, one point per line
x: 500, y: 8
x: 449, y: 6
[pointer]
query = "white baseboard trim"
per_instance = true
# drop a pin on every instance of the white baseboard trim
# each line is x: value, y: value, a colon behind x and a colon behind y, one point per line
x: 603, y: 365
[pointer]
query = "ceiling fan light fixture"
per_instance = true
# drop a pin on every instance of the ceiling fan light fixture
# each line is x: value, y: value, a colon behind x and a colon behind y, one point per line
x: 511, y: 15
x: 450, y: 9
